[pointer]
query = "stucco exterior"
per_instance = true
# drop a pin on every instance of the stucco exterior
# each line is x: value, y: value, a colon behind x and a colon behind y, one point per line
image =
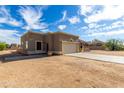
x: 51, y: 42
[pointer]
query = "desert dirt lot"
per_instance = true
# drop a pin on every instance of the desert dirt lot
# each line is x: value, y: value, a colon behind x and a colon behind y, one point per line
x: 6, y: 52
x: 114, y: 53
x: 61, y: 71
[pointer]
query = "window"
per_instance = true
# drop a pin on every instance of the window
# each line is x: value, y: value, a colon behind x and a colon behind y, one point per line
x: 22, y: 43
x: 26, y: 44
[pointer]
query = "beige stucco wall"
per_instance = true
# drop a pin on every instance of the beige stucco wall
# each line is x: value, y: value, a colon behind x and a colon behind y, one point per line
x: 59, y: 37
x: 54, y: 40
x: 49, y: 41
x: 31, y: 38
x: 66, y: 37
x: 57, y: 43
x: 23, y: 41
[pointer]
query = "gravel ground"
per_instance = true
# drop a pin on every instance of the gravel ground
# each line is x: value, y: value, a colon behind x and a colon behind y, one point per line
x: 60, y: 71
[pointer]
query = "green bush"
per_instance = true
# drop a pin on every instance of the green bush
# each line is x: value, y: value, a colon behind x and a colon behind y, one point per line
x: 3, y: 46
x: 114, y: 45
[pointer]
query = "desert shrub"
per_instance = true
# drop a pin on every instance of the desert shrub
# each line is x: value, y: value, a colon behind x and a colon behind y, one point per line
x: 7, y: 45
x: 104, y: 47
x: 114, y: 45
x: 3, y: 46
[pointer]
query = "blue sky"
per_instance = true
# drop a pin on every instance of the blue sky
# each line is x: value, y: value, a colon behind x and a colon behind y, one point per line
x: 88, y: 21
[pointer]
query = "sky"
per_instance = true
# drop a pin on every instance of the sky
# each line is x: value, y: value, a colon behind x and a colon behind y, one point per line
x: 89, y: 22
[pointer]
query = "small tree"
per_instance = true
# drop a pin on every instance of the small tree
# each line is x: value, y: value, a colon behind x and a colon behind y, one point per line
x: 114, y: 45
x: 3, y: 46
x: 7, y: 45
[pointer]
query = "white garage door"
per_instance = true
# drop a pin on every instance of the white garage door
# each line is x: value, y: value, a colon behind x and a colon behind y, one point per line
x: 69, y: 48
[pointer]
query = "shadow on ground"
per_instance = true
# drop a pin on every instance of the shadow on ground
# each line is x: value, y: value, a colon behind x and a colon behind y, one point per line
x: 14, y: 56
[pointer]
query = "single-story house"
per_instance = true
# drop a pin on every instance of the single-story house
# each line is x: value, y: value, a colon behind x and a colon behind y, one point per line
x: 51, y: 43
x: 84, y: 46
x: 96, y: 45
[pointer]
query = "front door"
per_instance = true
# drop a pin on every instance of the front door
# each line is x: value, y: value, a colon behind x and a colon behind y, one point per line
x: 47, y: 47
x: 38, y: 45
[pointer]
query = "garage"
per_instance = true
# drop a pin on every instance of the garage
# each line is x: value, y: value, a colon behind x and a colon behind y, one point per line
x: 69, y: 47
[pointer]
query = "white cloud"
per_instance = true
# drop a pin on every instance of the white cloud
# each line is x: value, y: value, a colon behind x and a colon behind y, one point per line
x: 96, y: 25
x: 64, y: 15
x: 64, y: 18
x: 9, y: 36
x: 33, y: 17
x: 45, y: 30
x: 74, y: 20
x: 108, y: 13
x: 110, y: 33
x: 62, y: 27
x: 6, y: 18
x: 14, y: 23
x: 93, y: 15
x: 84, y: 27
x: 103, y: 27
x: 85, y: 9
x: 92, y: 25
x: 117, y: 24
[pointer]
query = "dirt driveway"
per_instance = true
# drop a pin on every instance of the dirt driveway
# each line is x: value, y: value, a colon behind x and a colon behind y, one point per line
x: 61, y: 71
